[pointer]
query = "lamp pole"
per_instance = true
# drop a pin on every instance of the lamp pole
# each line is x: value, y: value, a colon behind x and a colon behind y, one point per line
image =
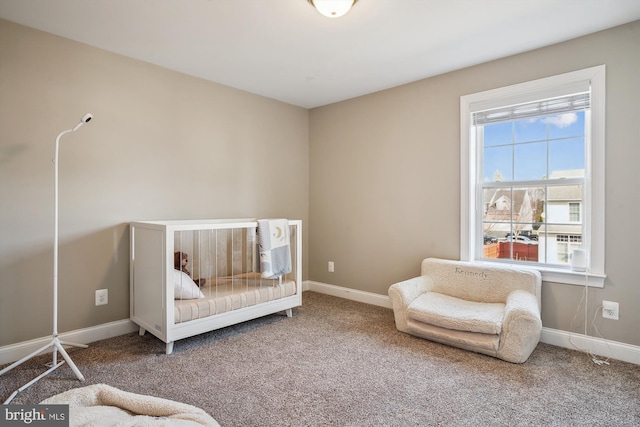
x: 56, y: 345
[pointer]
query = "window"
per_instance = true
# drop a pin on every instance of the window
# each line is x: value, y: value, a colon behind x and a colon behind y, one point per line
x: 532, y: 173
x: 574, y: 212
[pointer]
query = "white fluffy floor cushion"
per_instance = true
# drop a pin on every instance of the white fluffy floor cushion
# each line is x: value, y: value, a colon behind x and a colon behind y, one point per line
x: 103, y: 405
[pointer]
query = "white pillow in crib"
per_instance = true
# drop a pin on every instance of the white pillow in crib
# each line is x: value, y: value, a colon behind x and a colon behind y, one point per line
x: 185, y: 287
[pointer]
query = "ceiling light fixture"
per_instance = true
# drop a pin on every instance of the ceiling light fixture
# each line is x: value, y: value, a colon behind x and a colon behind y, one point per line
x: 333, y: 8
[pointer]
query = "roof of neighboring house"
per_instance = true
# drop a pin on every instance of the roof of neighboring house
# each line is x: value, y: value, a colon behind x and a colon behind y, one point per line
x: 568, y: 173
x: 560, y: 229
x: 565, y: 193
x: 521, y: 198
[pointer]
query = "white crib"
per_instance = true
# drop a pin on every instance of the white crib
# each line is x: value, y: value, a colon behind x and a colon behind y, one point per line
x: 168, y: 303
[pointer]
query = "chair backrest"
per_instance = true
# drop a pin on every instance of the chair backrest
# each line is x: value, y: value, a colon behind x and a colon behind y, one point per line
x: 480, y: 282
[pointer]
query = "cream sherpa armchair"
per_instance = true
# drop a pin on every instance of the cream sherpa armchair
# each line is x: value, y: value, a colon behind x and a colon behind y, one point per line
x: 494, y: 310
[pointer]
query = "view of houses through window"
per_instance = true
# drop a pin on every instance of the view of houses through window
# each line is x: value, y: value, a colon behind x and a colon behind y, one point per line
x: 532, y: 178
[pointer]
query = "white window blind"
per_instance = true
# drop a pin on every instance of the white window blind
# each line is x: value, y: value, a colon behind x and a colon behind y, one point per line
x: 561, y: 105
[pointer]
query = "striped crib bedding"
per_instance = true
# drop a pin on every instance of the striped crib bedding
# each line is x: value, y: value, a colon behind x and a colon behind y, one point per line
x: 232, y: 293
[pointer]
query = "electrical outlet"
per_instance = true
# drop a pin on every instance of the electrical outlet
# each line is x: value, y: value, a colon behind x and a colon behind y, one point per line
x: 610, y: 310
x: 331, y: 267
x: 102, y: 296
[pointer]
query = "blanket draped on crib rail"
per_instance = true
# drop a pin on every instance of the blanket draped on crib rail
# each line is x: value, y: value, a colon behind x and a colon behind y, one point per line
x: 274, y: 248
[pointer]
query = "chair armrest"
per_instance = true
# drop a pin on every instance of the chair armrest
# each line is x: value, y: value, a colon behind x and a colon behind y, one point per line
x: 402, y: 293
x: 521, y: 327
x: 521, y: 302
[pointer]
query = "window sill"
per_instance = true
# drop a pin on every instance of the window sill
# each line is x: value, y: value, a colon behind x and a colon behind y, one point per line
x: 566, y: 277
x: 569, y: 277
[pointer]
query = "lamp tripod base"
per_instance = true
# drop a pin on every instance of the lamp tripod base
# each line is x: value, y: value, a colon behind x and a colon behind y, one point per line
x: 57, y: 346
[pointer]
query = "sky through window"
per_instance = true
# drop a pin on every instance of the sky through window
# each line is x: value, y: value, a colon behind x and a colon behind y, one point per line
x: 519, y: 150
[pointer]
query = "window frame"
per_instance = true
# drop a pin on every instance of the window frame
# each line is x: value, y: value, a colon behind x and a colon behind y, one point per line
x: 593, y: 204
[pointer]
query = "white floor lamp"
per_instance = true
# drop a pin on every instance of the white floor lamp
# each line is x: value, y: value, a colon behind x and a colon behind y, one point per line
x: 55, y: 344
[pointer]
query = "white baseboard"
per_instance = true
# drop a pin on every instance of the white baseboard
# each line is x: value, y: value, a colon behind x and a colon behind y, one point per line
x: 11, y: 353
x: 599, y: 346
x: 602, y: 347
x: 346, y: 293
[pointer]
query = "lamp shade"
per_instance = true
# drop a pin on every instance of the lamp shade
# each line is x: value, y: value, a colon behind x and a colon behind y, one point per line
x: 333, y: 8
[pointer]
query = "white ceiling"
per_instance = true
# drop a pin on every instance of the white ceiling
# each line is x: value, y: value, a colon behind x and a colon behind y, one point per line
x: 284, y: 49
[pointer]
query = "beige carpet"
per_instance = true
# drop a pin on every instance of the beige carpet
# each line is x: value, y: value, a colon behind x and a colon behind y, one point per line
x: 342, y: 363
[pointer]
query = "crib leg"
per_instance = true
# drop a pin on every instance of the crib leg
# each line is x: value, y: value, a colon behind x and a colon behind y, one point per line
x: 169, y: 349
x: 289, y: 312
x: 141, y: 331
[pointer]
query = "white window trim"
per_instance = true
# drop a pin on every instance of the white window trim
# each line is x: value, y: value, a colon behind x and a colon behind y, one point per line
x: 594, y: 210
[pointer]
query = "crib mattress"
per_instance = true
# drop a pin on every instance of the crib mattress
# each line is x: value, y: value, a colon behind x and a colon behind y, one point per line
x: 226, y: 294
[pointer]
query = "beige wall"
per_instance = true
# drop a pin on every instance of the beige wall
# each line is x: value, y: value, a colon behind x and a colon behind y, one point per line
x: 385, y: 178
x: 376, y: 179
x: 162, y: 146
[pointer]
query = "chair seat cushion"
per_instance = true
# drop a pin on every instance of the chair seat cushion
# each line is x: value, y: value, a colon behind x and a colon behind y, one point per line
x: 454, y: 313
x: 482, y: 343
